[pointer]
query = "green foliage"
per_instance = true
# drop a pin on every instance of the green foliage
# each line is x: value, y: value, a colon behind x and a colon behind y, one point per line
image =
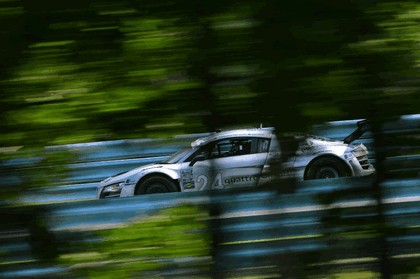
x: 174, y: 240
x: 113, y: 70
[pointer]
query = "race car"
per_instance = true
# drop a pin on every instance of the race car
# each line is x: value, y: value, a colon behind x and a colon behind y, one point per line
x: 243, y: 158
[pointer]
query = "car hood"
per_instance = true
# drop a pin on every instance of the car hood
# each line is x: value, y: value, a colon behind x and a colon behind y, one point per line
x: 123, y: 176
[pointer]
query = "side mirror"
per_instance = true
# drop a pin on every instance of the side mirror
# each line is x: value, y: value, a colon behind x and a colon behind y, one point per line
x: 196, y: 159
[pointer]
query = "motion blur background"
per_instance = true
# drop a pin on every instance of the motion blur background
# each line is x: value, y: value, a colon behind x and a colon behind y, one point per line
x: 98, y: 71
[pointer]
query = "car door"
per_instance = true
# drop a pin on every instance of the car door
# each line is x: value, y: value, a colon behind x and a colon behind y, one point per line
x: 230, y: 163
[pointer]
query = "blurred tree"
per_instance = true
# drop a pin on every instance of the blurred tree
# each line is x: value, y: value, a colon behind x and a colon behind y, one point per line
x: 334, y: 60
x: 173, y: 243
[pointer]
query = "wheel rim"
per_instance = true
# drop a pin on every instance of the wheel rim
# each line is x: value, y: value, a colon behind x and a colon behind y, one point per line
x: 327, y: 173
x: 156, y: 188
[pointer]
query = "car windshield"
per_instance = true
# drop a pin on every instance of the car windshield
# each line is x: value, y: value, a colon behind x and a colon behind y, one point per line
x: 174, y: 158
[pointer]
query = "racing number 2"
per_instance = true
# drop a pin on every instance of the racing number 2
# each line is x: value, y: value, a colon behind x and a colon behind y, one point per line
x: 203, y: 180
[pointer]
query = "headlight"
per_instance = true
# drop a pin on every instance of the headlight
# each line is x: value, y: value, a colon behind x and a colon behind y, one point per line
x: 113, y: 188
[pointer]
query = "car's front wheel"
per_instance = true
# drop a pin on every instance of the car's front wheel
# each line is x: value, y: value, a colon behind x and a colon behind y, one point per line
x: 326, y: 168
x: 155, y: 185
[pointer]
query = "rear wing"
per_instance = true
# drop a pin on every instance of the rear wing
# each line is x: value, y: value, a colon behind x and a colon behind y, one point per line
x: 362, y: 127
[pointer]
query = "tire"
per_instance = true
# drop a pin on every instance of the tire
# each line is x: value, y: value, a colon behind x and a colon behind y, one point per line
x: 326, y: 168
x: 156, y: 185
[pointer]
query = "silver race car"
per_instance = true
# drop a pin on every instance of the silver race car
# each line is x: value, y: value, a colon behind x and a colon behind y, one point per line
x: 241, y: 158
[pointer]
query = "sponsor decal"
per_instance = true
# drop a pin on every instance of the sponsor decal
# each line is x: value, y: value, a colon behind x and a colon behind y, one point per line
x: 220, y: 183
x: 188, y: 185
x: 273, y: 176
x: 240, y: 179
x: 187, y: 180
x: 202, y: 181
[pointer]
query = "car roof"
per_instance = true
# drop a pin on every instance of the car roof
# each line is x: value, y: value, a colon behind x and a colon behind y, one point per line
x: 254, y: 132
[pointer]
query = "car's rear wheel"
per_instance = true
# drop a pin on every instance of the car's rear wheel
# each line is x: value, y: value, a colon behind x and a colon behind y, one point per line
x: 326, y: 168
x: 155, y: 185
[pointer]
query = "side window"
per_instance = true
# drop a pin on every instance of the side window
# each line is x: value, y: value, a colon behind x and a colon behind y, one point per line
x: 263, y: 145
x: 203, y: 151
x: 231, y: 147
